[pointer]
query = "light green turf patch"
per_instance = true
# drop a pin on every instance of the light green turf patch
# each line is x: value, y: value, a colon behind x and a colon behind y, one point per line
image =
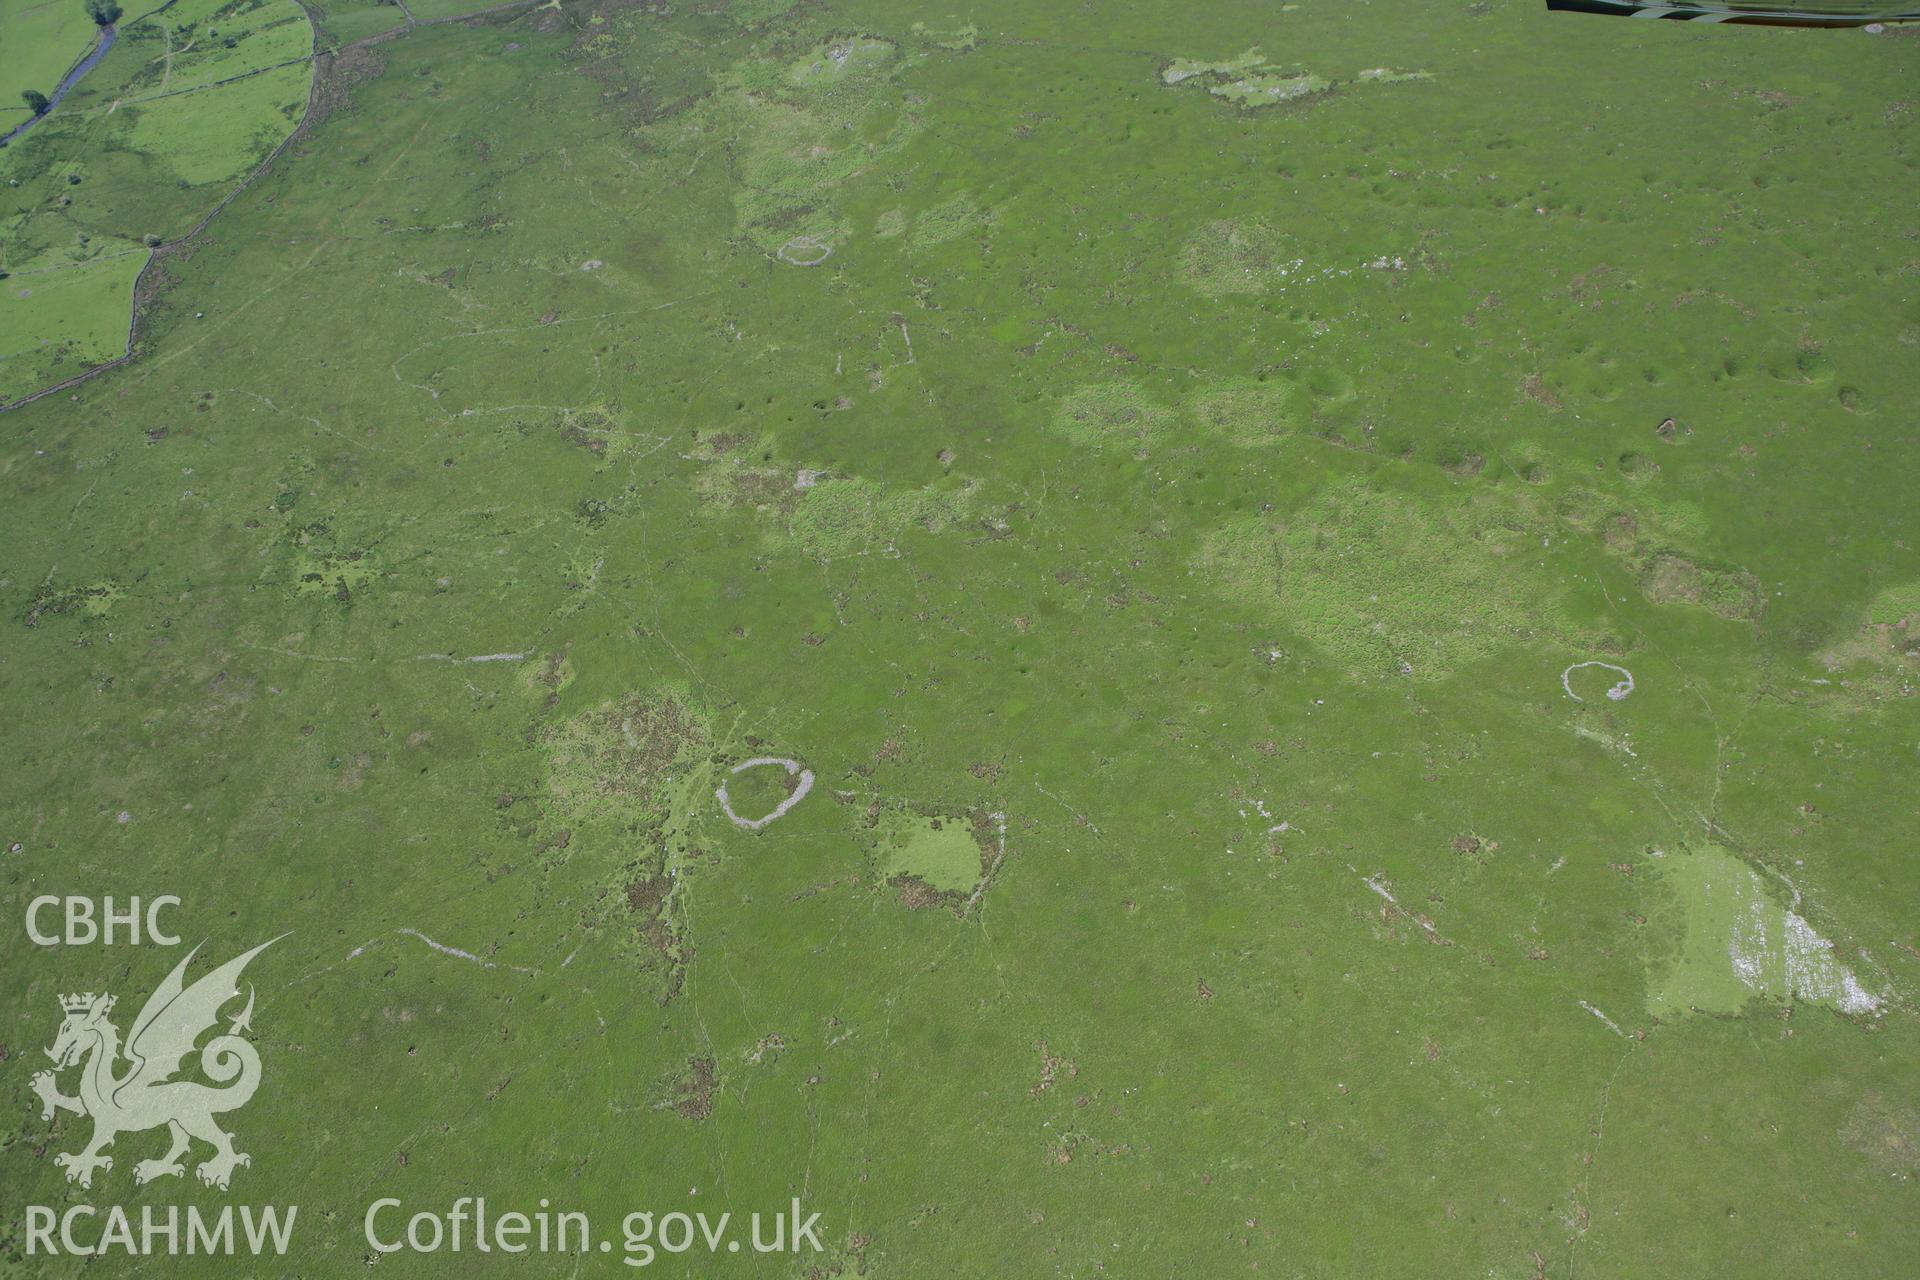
x: 1657, y: 542
x: 1387, y: 75
x: 839, y: 60
x: 1181, y: 70
x: 939, y: 851
x: 1228, y: 257
x: 1246, y: 411
x: 842, y: 517
x: 1880, y: 660
x: 1270, y: 89
x: 1246, y: 81
x: 1633, y: 529
x: 801, y: 146
x: 620, y: 792
x: 621, y: 762
x: 1668, y: 577
x: 732, y: 473
x: 1112, y: 415
x: 1895, y: 605
x: 956, y: 39
x: 948, y: 220
x: 94, y: 600
x: 319, y: 573
x: 1251, y: 81
x: 1389, y: 585
x: 1739, y: 940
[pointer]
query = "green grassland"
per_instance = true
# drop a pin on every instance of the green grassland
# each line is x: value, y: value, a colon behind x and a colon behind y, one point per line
x: 39, y: 41
x: 1162, y: 519
x: 76, y: 310
x: 345, y: 21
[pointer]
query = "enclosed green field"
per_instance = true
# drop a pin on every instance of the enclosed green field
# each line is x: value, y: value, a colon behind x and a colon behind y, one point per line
x: 39, y: 41
x: 58, y: 319
x: 187, y: 102
x: 346, y: 21
x: 1339, y: 581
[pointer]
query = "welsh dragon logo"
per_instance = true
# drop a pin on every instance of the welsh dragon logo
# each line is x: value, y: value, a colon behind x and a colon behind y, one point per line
x: 145, y: 1095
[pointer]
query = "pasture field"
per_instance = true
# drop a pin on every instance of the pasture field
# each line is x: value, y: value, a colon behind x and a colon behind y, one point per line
x: 1339, y: 584
x: 187, y: 102
x: 39, y: 40
x: 345, y: 21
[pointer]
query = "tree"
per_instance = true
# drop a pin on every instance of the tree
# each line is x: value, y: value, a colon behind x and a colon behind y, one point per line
x: 36, y: 101
x: 104, y: 12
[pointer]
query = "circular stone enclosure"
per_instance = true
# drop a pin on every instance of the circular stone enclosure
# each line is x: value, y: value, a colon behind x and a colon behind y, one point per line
x: 794, y: 770
x: 1617, y: 693
x: 804, y: 251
